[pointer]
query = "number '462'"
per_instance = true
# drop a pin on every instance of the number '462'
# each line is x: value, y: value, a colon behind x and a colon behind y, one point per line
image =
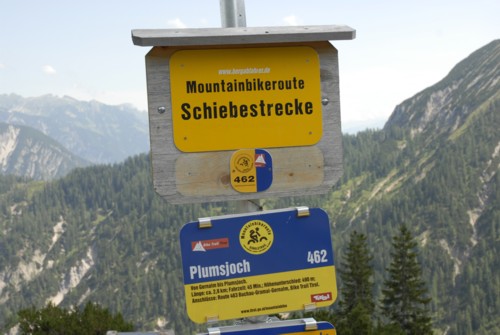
x: 245, y: 179
x: 317, y: 256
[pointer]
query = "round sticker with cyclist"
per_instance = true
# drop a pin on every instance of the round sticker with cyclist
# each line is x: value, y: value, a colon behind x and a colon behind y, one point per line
x: 256, y: 237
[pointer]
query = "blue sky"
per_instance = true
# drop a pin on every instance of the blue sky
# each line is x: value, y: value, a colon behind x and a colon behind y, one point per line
x: 84, y: 48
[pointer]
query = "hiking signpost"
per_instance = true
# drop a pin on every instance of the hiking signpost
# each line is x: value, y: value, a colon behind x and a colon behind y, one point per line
x: 212, y: 92
x: 240, y: 113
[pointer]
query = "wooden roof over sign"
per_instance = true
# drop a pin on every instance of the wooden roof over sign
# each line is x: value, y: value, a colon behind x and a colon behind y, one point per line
x: 240, y: 35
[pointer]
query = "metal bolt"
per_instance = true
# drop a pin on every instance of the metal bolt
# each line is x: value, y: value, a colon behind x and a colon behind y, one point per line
x: 325, y: 101
x: 162, y: 110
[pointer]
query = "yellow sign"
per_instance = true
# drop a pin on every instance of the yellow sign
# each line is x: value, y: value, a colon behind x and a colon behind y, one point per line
x: 225, y: 99
x: 243, y: 171
x: 258, y: 295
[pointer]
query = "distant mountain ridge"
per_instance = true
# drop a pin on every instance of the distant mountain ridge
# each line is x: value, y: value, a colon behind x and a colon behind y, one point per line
x: 446, y: 105
x: 97, y: 132
x: 27, y: 152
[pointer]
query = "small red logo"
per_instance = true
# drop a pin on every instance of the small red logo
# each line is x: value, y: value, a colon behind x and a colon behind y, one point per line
x: 210, y: 244
x: 260, y: 160
x: 319, y: 297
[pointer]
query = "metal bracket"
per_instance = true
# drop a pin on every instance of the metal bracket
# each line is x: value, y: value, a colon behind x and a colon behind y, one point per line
x: 309, y: 307
x: 302, y: 211
x: 213, y: 331
x: 310, y: 323
x: 212, y: 319
x: 204, y: 223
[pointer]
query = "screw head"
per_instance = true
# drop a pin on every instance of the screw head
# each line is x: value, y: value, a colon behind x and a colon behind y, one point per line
x: 161, y: 109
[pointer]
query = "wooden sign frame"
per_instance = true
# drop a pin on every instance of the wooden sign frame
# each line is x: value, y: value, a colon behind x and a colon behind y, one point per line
x: 181, y: 177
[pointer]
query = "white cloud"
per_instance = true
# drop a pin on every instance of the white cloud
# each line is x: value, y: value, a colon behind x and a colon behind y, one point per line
x: 48, y: 69
x: 292, y: 20
x: 2, y: 66
x: 176, y: 23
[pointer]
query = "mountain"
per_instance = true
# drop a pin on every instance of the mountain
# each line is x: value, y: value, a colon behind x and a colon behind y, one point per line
x: 469, y: 88
x: 27, y: 152
x: 101, y: 233
x: 435, y: 166
x: 97, y: 132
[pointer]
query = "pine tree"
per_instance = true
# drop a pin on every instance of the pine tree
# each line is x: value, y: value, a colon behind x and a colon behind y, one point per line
x: 405, y: 301
x: 357, y: 305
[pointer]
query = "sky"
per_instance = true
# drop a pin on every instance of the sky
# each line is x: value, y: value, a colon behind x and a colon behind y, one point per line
x: 84, y: 49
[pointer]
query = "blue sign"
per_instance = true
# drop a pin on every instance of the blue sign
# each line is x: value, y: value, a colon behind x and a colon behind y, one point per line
x: 258, y: 263
x: 278, y: 328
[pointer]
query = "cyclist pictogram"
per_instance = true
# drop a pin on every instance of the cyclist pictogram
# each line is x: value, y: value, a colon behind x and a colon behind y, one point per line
x: 256, y: 237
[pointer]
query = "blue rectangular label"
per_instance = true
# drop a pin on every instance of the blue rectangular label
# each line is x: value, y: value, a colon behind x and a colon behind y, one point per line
x: 257, y: 244
x: 264, y: 262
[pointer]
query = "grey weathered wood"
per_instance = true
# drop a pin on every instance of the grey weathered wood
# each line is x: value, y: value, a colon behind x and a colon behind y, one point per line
x: 241, y: 35
x: 204, y: 177
x: 293, y: 169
